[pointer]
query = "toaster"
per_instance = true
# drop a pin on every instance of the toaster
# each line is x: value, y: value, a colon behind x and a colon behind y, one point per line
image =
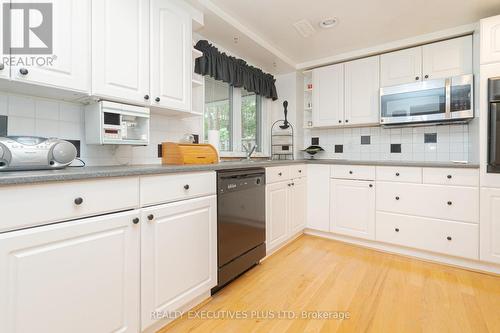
x: 35, y: 153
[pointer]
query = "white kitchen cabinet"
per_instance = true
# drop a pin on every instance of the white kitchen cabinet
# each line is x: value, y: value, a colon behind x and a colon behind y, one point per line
x: 490, y: 225
x: 120, y: 50
x: 352, y: 204
x: 79, y: 276
x: 171, y: 56
x: 298, y: 205
x: 400, y: 67
x: 178, y: 255
x: 318, y: 197
x: 490, y: 40
x: 362, y: 84
x: 70, y: 67
x: 448, y: 58
x: 328, y: 96
x: 277, y: 214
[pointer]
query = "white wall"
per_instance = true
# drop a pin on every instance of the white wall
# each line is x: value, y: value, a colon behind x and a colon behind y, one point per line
x: 52, y: 118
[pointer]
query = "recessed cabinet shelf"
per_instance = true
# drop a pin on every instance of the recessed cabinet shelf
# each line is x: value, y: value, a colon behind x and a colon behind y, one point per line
x: 196, y: 53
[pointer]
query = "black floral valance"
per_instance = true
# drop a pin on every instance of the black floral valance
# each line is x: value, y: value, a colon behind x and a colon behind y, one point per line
x: 233, y: 71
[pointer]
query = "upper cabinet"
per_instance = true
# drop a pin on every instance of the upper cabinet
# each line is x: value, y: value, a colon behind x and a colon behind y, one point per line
x: 448, y: 58
x: 401, y: 67
x: 362, y: 84
x: 120, y: 50
x: 490, y: 40
x: 4, y: 68
x: 171, y: 44
x: 432, y: 61
x: 328, y: 96
x: 68, y: 65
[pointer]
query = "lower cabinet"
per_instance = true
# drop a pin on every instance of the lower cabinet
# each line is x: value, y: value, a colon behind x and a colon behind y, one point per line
x: 490, y: 225
x: 79, y: 276
x: 318, y: 197
x: 286, y: 213
x: 353, y: 208
x: 178, y: 255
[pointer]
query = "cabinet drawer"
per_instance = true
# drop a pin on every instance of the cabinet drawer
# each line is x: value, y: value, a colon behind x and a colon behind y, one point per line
x: 28, y: 205
x: 276, y: 174
x: 360, y: 172
x: 399, y: 174
x: 453, y: 238
x: 168, y: 188
x: 435, y: 201
x: 298, y: 171
x: 444, y: 176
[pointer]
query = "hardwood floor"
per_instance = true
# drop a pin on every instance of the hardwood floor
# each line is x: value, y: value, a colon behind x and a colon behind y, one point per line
x: 381, y: 292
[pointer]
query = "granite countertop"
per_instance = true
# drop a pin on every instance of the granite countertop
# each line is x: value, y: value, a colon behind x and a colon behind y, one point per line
x: 90, y: 172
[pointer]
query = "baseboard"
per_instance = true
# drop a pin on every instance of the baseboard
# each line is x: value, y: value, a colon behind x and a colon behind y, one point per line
x: 282, y: 245
x: 473, y: 265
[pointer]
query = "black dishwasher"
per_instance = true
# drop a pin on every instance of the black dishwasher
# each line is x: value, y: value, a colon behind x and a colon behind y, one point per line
x: 241, y: 222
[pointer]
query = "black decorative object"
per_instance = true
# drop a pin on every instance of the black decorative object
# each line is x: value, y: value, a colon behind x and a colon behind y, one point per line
x: 282, y: 138
x: 339, y: 149
x: 396, y: 148
x: 313, y: 150
x: 430, y: 137
x: 233, y: 71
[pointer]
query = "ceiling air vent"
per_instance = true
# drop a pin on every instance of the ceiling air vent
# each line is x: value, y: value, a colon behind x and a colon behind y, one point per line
x: 304, y: 28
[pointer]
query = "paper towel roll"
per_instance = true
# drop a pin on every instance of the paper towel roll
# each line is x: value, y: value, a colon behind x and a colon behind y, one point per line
x: 214, y: 139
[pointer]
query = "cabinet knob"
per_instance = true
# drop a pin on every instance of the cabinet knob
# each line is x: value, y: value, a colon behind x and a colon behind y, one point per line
x: 417, y: 78
x: 2, y: 67
x: 293, y: 184
x: 78, y: 201
x: 279, y: 174
x: 135, y: 220
x: 449, y: 176
x: 300, y: 171
x: 23, y: 71
x: 289, y: 184
x: 340, y: 121
x: 350, y: 172
x: 396, y: 229
x: 157, y: 99
x: 186, y: 187
x: 146, y: 97
x: 448, y: 238
x: 347, y: 120
x: 151, y: 217
x: 397, y: 174
x: 397, y: 198
x: 450, y: 203
x: 371, y: 185
x: 426, y: 76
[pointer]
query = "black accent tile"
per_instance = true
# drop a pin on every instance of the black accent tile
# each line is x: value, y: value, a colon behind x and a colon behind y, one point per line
x: 3, y: 125
x: 285, y: 147
x: 366, y: 139
x: 76, y: 143
x: 196, y: 138
x: 396, y: 148
x: 339, y: 149
x: 315, y: 141
x: 430, y: 137
x: 160, y: 151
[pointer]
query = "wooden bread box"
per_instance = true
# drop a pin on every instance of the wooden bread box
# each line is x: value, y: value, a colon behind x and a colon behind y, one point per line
x: 188, y: 153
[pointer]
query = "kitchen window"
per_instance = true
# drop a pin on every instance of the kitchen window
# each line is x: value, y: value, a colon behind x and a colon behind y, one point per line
x: 236, y: 113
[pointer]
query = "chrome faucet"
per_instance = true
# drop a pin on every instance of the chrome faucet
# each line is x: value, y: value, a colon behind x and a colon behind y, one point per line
x: 249, y: 150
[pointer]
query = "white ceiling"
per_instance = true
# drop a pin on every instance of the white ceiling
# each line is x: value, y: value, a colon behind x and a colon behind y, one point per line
x: 266, y: 33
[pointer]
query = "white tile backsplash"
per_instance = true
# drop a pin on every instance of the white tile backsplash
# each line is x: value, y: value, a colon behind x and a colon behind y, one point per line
x: 53, y: 118
x: 452, y: 143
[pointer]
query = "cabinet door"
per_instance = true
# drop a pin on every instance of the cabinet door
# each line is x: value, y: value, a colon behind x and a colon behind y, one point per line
x: 318, y: 197
x: 68, y: 66
x: 362, y: 85
x: 328, y: 96
x: 78, y: 276
x: 276, y: 214
x: 298, y: 205
x: 4, y: 68
x: 171, y: 67
x: 490, y: 225
x: 352, y: 204
x: 449, y: 58
x: 401, y: 67
x: 120, y: 50
x: 178, y: 255
x: 490, y: 40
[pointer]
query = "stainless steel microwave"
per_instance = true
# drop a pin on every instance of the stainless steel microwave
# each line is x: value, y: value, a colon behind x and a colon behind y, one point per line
x: 440, y: 100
